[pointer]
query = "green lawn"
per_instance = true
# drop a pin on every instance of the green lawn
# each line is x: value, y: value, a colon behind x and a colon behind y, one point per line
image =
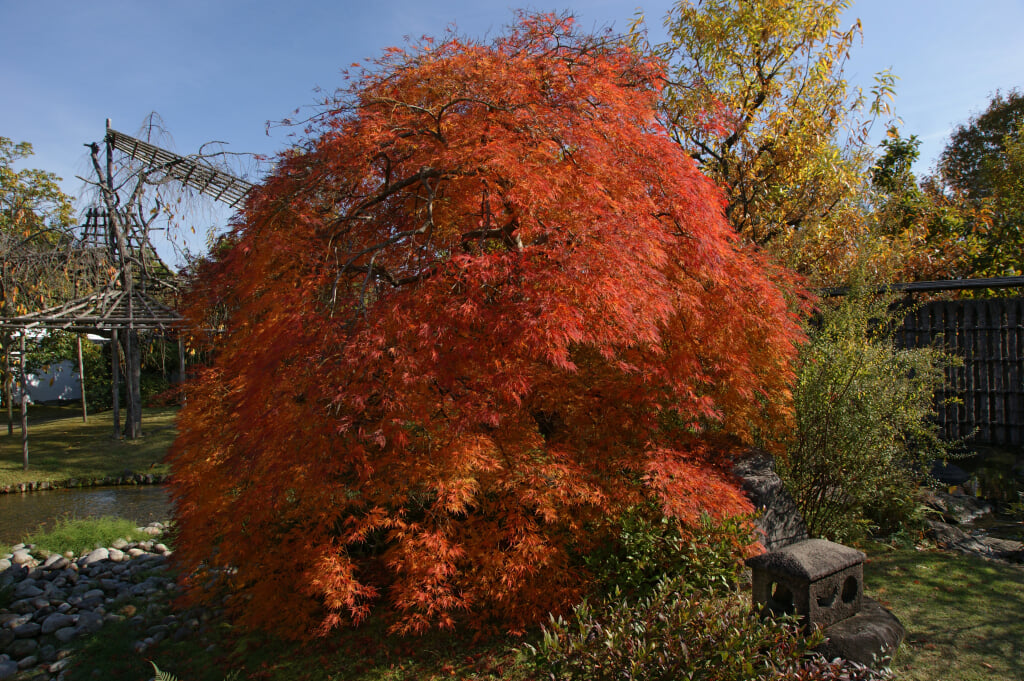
x: 962, y: 614
x: 61, y: 447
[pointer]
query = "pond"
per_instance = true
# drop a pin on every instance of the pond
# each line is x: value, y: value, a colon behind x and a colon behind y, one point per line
x: 23, y: 513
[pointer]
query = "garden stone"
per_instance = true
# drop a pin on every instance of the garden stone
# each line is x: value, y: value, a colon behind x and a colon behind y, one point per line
x: 55, y: 562
x: 30, y: 661
x: 955, y: 508
x: 4, y: 563
x: 47, y: 654
x: 22, y: 647
x: 66, y: 634
x: 120, y: 544
x: 94, y: 557
x: 21, y: 557
x: 90, y: 621
x: 953, y: 538
x: 780, y: 522
x: 16, y: 622
x: 27, y: 630
x: 56, y: 621
x: 27, y: 589
x: 6, y: 638
x: 8, y: 669
x: 869, y: 638
x: 116, y: 555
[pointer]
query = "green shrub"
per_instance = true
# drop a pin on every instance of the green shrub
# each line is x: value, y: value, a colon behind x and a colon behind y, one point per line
x: 673, y: 633
x: 81, y: 536
x: 864, y: 438
x: 649, y: 546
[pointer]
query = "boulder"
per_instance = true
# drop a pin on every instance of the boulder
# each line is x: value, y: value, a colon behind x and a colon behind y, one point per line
x: 780, y: 522
x: 869, y: 638
x: 953, y: 508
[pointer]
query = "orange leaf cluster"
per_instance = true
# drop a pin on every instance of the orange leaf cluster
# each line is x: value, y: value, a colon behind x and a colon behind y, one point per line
x: 488, y: 305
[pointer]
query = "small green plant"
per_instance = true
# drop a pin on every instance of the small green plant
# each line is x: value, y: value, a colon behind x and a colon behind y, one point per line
x: 162, y: 675
x: 649, y: 546
x: 672, y: 633
x: 83, y: 535
x: 864, y: 438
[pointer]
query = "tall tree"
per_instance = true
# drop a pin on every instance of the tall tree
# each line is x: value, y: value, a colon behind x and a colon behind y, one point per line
x: 758, y: 97
x: 486, y: 305
x: 981, y: 166
x: 34, y: 219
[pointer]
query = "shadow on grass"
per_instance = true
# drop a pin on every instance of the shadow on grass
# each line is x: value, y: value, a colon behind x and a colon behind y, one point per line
x: 61, y: 447
x: 962, y: 614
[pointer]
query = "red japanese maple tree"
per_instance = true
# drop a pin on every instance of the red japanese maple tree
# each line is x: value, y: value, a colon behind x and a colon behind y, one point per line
x: 486, y: 306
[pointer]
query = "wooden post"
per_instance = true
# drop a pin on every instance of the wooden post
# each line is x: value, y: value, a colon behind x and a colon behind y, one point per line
x: 115, y: 379
x: 9, y: 389
x: 181, y: 369
x: 81, y: 381
x: 24, y: 407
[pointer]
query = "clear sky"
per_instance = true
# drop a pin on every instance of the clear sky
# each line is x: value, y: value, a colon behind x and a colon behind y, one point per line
x: 220, y: 69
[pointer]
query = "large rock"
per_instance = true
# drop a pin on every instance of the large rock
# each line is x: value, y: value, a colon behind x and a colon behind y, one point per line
x: 870, y: 637
x: 952, y: 508
x: 780, y: 522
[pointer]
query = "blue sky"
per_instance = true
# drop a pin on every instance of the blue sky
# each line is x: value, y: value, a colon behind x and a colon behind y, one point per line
x: 220, y: 69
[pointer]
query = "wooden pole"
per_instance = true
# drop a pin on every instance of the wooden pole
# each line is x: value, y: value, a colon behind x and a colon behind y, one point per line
x: 9, y: 388
x: 115, y: 379
x: 181, y: 368
x: 81, y: 381
x: 24, y: 407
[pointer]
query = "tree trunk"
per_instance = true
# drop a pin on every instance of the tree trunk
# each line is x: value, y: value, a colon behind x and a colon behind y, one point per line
x: 133, y: 369
x: 81, y: 381
x: 24, y: 407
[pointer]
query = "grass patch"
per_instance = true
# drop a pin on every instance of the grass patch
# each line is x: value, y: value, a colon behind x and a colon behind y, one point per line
x: 962, y: 614
x: 82, y: 536
x: 61, y: 447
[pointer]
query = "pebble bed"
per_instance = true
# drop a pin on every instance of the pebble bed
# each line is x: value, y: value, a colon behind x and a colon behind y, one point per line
x: 53, y: 599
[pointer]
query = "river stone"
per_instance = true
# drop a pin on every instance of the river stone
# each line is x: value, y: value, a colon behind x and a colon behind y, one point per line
x: 120, y: 544
x: 6, y: 638
x: 22, y: 647
x: 94, y: 557
x: 47, y: 653
x: 26, y: 662
x: 27, y: 589
x: 4, y: 564
x: 56, y: 621
x: 66, y: 634
x: 116, y: 555
x: 90, y: 621
x: 21, y: 557
x: 55, y: 562
x: 136, y: 552
x: 8, y: 669
x: 27, y: 630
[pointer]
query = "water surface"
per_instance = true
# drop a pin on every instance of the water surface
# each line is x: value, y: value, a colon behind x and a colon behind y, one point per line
x: 23, y: 513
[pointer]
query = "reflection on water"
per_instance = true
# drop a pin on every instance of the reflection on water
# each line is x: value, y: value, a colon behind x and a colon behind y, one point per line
x: 23, y: 513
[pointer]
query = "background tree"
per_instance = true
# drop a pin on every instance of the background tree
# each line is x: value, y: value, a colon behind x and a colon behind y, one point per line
x: 758, y: 97
x: 487, y: 305
x: 36, y: 266
x: 981, y: 167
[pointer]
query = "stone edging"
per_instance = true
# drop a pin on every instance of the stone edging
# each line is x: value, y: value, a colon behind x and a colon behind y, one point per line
x: 125, y: 479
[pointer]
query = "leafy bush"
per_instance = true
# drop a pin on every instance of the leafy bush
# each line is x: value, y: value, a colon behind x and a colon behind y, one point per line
x: 673, y: 633
x: 707, y: 555
x: 864, y: 437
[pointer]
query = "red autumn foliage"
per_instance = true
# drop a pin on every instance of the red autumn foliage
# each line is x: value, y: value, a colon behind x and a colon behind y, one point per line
x: 486, y: 307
